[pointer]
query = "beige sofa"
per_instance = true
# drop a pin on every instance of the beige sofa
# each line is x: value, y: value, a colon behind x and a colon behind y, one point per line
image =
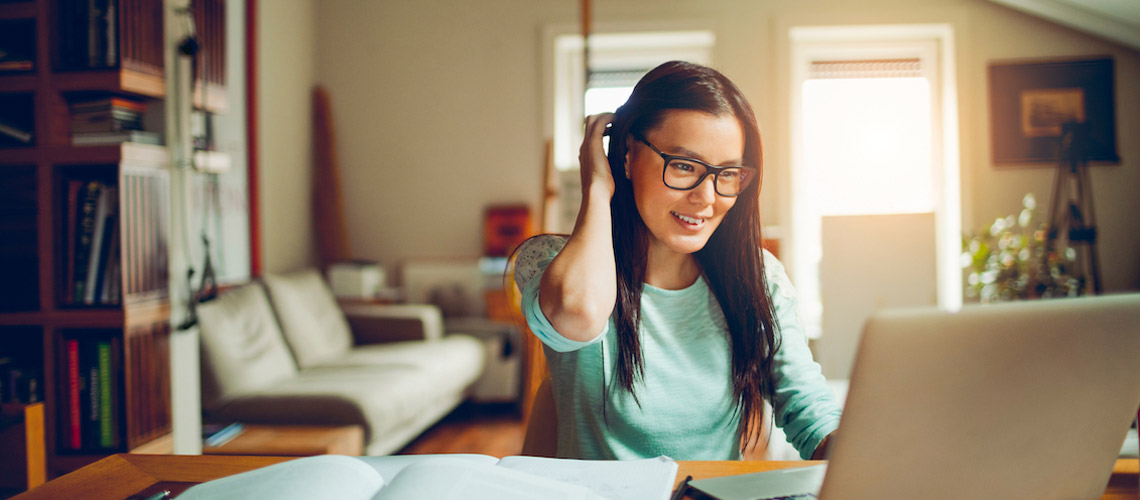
x: 283, y: 351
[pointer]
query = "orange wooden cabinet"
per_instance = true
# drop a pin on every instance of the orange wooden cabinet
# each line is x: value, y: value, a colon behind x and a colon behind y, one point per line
x: 22, y: 454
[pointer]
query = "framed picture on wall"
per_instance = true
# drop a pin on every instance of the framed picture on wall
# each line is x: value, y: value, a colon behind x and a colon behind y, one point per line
x: 1031, y: 100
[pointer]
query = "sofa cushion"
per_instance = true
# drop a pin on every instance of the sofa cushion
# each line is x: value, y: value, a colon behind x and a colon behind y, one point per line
x: 242, y: 346
x: 384, y: 388
x: 311, y: 319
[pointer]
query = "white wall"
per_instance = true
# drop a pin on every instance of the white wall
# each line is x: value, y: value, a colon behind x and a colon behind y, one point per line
x: 286, y: 61
x: 870, y: 262
x: 437, y: 107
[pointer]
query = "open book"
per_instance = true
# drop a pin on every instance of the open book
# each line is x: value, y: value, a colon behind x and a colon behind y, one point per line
x: 793, y: 483
x: 458, y: 476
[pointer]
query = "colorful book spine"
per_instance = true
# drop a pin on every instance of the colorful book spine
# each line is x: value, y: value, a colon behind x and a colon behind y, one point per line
x: 90, y: 366
x: 75, y: 437
x: 106, y: 413
x: 85, y: 231
x: 94, y: 260
x: 116, y: 360
x: 107, y: 242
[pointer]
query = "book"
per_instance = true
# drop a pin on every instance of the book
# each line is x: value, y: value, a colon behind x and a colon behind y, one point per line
x: 214, y: 435
x: 793, y: 483
x: 102, y: 41
x: 104, y: 121
x: 19, y: 65
x: 468, y: 477
x: 18, y: 133
x: 100, y: 138
x: 97, y: 288
x: 99, y: 234
x: 89, y: 392
x: 74, y: 435
x: 84, y: 231
x: 106, y: 413
x: 108, y: 282
x: 108, y: 104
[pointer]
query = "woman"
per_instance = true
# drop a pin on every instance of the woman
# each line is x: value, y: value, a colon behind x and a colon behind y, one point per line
x: 665, y: 326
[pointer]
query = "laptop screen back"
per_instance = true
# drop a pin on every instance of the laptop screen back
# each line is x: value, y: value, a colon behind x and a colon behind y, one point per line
x: 1024, y: 400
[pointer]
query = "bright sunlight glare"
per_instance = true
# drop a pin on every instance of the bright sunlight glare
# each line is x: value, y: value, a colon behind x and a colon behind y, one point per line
x: 605, y: 99
x: 868, y: 145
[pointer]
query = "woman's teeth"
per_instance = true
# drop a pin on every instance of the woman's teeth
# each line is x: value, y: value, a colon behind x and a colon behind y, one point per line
x: 688, y: 220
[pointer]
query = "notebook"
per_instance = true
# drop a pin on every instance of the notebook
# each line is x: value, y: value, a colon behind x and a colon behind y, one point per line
x: 1021, y: 400
x: 443, y: 477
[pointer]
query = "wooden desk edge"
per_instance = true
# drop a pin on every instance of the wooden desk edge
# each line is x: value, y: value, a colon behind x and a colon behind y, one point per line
x: 122, y: 475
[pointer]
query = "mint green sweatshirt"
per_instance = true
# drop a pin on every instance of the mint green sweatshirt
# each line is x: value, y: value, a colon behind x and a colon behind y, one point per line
x: 686, y: 409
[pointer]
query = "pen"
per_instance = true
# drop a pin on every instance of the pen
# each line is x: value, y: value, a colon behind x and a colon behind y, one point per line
x: 162, y: 495
x: 681, y: 488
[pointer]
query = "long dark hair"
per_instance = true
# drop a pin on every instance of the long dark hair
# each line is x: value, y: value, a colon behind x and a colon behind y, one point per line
x: 731, y: 261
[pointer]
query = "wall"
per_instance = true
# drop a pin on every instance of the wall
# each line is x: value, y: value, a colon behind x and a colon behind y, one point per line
x: 438, y: 107
x: 286, y: 44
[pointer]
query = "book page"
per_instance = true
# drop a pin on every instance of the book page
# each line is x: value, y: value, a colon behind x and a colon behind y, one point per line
x: 646, y: 479
x: 451, y: 479
x: 324, y: 476
x: 390, y: 465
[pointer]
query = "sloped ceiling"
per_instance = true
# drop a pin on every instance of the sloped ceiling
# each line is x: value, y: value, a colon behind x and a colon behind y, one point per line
x: 1114, y: 20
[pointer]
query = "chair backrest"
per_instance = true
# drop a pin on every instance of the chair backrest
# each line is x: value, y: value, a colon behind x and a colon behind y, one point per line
x: 535, y: 370
x: 541, y: 438
x: 537, y: 398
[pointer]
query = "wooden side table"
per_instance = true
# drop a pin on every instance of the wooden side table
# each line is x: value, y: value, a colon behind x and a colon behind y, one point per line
x: 293, y: 441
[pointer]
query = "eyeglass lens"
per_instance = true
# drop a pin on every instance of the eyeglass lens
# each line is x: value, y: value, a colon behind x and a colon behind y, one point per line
x: 682, y: 174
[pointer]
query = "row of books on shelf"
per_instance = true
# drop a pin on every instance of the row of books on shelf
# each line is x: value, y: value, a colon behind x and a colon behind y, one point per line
x: 17, y: 45
x: 94, y: 270
x: 18, y: 384
x: 88, y: 33
x: 109, y: 120
x: 105, y: 120
x: 90, y: 395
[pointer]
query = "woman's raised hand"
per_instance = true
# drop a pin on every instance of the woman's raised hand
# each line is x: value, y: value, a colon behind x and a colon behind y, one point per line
x: 592, y: 156
x: 579, y: 288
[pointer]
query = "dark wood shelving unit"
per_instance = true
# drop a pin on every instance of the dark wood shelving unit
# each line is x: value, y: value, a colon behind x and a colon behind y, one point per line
x: 17, y: 82
x: 18, y: 10
x: 39, y: 313
x: 117, y: 81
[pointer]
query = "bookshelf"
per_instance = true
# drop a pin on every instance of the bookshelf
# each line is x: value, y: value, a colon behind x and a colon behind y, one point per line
x: 86, y: 336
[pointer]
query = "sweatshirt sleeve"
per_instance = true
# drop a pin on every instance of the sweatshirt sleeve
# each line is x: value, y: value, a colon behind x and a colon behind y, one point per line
x: 533, y: 258
x: 804, y: 407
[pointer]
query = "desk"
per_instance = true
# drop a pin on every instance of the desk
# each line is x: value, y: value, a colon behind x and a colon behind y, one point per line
x: 120, y: 476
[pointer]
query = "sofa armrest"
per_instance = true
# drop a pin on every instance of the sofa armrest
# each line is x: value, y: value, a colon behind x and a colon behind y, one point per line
x: 373, y: 323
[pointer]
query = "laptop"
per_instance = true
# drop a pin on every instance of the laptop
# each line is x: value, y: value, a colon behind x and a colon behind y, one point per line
x: 1021, y: 400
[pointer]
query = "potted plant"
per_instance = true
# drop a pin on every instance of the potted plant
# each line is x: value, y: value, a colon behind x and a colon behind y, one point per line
x: 1009, y: 261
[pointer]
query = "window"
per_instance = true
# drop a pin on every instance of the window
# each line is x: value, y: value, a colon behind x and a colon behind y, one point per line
x: 869, y: 124
x: 874, y: 132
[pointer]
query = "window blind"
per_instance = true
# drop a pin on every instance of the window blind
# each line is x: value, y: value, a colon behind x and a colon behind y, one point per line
x: 869, y: 68
x: 614, y: 78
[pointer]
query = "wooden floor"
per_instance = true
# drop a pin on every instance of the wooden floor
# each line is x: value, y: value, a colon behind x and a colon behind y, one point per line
x: 490, y: 429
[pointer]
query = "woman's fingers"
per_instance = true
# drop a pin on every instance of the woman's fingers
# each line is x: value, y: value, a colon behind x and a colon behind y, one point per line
x: 592, y: 156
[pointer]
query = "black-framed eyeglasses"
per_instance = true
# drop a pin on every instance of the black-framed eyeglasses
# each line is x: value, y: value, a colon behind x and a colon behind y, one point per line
x: 683, y: 173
